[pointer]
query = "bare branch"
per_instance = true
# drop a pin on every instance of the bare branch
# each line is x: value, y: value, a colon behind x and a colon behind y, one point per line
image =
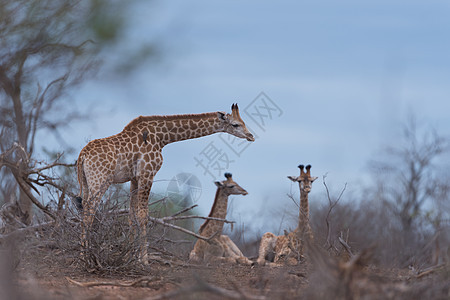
x: 37, y: 107
x: 171, y: 218
x: 196, y: 217
x: 26, y: 229
x: 139, y: 282
x: 346, y: 246
x: 184, y: 210
x: 203, y: 286
x: 331, y: 205
x: 75, y: 49
x: 161, y: 222
x: 24, y: 188
x: 291, y: 196
x: 430, y: 270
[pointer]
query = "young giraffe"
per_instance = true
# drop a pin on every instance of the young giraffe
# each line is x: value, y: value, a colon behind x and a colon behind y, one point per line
x: 135, y: 155
x: 220, y: 247
x: 288, y: 248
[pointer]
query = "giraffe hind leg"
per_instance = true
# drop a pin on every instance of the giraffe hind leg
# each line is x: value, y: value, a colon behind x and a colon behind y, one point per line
x: 266, y: 248
x: 89, y: 209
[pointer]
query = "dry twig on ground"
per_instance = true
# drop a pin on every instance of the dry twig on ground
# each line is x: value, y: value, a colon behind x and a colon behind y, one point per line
x: 141, y: 282
x: 203, y: 287
x: 430, y: 270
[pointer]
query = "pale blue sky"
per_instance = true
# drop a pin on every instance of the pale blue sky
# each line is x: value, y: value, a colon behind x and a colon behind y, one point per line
x: 344, y: 73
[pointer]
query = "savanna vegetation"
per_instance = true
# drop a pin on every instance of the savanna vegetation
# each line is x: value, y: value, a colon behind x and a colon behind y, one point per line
x: 388, y: 241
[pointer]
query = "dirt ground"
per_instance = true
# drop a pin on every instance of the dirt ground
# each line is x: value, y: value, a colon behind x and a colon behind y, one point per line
x: 185, y: 282
x: 317, y: 279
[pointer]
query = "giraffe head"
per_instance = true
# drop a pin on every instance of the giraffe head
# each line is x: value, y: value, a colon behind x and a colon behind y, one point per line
x: 305, y: 179
x: 230, y: 187
x: 233, y: 124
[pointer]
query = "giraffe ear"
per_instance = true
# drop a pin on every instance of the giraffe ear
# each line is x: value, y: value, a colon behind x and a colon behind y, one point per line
x: 218, y: 183
x: 293, y: 178
x: 313, y: 178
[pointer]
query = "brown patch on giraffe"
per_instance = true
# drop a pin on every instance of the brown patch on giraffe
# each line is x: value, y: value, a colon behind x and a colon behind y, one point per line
x: 172, y: 136
x: 170, y: 125
x: 193, y: 125
x: 184, y: 123
x: 204, y: 130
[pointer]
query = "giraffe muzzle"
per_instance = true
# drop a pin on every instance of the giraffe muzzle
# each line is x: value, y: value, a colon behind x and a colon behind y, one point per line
x: 250, y: 137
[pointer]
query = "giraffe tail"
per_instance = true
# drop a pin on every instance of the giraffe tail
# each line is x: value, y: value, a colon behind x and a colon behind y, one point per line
x: 78, y: 201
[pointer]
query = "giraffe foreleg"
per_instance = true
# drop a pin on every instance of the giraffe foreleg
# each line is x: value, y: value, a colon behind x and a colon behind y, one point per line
x: 140, y: 212
x: 231, y: 250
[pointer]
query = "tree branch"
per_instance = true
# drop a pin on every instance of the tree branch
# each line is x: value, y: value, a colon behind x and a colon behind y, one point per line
x: 161, y: 222
x: 37, y: 107
x: 24, y: 188
x: 196, y: 217
x: 331, y: 205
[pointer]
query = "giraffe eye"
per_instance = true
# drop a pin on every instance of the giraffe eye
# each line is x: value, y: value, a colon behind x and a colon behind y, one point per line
x: 235, y: 125
x: 231, y: 186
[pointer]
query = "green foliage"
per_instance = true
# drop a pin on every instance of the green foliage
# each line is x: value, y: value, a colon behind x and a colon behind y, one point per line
x: 104, y: 21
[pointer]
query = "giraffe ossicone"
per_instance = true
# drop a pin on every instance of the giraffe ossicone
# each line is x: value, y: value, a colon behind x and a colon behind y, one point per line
x: 219, y: 248
x: 135, y: 155
x: 289, y: 248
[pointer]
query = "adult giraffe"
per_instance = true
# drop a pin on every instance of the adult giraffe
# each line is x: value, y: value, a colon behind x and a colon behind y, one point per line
x: 135, y: 155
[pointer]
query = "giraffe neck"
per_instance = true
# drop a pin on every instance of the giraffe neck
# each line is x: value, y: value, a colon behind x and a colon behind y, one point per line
x: 303, y: 218
x: 218, y: 210
x: 170, y: 129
